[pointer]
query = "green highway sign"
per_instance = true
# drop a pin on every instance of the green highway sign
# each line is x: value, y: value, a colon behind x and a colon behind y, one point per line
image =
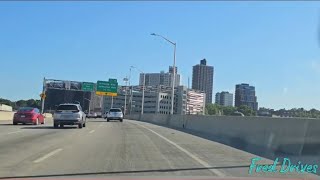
x: 102, y: 86
x: 107, y: 88
x: 113, y: 80
x: 87, y: 86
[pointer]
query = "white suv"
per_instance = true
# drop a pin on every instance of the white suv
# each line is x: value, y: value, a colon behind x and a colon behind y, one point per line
x: 69, y: 114
x: 114, y: 114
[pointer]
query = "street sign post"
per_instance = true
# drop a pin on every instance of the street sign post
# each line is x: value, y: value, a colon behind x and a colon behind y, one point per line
x: 87, y: 86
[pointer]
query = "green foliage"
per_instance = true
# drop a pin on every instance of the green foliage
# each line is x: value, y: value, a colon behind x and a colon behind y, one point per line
x: 247, y: 111
x: 22, y: 103
x: 215, y: 109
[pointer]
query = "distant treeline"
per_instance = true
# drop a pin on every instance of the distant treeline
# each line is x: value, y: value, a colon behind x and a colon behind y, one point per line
x: 22, y: 103
x: 214, y: 109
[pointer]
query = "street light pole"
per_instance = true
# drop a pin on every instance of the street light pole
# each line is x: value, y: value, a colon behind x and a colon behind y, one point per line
x: 174, y: 69
x: 131, y: 92
x: 44, y: 88
x: 125, y: 96
x: 174, y: 78
x: 89, y: 104
x: 143, y: 87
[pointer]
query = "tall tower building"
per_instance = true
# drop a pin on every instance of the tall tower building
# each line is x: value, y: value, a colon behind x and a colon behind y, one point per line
x: 246, y: 95
x: 202, y: 79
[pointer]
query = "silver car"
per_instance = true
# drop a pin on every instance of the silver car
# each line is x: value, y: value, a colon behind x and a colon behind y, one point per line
x: 114, y: 114
x: 69, y: 114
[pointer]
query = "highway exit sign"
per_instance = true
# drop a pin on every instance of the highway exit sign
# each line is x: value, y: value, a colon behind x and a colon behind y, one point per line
x: 87, y: 86
x: 107, y: 88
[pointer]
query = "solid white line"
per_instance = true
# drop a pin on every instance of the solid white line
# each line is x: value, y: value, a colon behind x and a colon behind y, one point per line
x: 205, y: 164
x: 47, y: 155
x: 14, y: 132
x: 92, y: 131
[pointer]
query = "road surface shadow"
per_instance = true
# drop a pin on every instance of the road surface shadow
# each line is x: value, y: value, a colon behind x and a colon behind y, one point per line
x: 127, y: 172
x: 96, y: 120
x: 49, y: 127
x: 7, y: 124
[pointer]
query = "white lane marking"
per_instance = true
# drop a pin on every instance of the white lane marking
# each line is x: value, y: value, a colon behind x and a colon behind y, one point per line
x: 14, y: 132
x: 47, y: 155
x: 92, y: 131
x: 205, y: 164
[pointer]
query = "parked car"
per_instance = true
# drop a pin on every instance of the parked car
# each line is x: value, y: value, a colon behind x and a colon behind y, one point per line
x: 114, y: 114
x: 26, y: 115
x: 69, y: 114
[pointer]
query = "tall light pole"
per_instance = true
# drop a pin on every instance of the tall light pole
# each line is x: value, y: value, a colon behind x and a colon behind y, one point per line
x: 44, y: 89
x: 125, y: 96
x: 174, y: 68
x: 89, y: 104
x: 143, y: 87
x: 130, y: 101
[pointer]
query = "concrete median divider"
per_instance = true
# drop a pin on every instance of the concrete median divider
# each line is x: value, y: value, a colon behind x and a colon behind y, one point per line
x: 286, y: 135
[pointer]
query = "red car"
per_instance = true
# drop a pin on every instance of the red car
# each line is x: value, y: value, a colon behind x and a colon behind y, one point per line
x: 28, y: 115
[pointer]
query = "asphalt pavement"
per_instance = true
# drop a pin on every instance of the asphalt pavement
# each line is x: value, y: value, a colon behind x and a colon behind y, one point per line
x: 109, y: 149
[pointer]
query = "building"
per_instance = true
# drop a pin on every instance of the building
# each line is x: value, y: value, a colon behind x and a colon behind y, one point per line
x: 202, y: 79
x: 246, y: 95
x: 60, y: 91
x: 224, y: 98
x: 157, y: 100
x: 162, y: 78
x: 196, y: 102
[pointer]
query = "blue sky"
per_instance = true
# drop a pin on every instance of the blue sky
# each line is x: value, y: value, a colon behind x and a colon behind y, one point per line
x: 271, y: 45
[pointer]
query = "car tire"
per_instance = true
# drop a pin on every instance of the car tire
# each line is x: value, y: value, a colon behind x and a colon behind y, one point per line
x: 108, y: 120
x: 84, y: 124
x: 55, y: 125
x: 80, y: 126
x: 37, y: 122
x: 121, y: 120
x: 61, y: 125
x: 15, y: 123
x: 44, y: 121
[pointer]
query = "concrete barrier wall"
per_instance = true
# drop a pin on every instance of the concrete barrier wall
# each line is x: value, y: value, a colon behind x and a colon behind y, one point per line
x: 4, y: 107
x: 288, y: 135
x: 48, y: 115
x: 6, y: 115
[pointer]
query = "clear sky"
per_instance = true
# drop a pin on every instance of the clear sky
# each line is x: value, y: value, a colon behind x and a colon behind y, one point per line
x: 273, y: 46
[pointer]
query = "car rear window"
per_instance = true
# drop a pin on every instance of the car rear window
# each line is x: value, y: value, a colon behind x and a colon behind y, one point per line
x: 115, y: 110
x: 67, y: 108
x: 25, y: 109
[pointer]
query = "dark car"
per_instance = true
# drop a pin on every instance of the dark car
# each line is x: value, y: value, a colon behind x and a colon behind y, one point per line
x: 26, y: 115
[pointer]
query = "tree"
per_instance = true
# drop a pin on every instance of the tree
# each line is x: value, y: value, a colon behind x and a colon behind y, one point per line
x: 229, y: 110
x: 246, y: 110
x: 213, y: 109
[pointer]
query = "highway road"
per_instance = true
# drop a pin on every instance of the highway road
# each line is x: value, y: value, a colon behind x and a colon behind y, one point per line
x: 104, y: 149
